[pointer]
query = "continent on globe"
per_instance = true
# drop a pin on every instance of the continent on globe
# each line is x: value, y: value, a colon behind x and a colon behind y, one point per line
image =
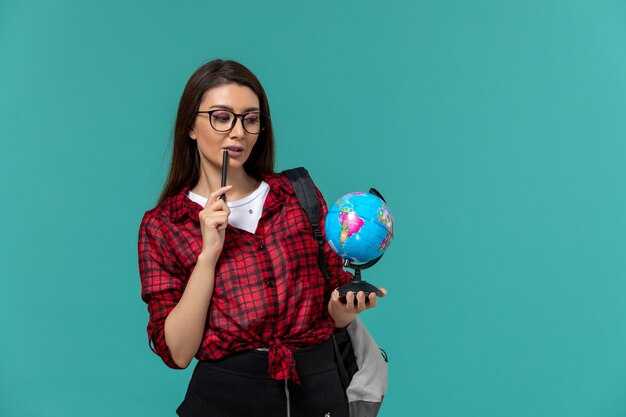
x: 386, y: 219
x: 345, y: 201
x: 350, y: 224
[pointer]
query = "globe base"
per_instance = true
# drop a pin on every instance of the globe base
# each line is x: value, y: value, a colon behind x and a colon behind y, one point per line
x: 356, y: 286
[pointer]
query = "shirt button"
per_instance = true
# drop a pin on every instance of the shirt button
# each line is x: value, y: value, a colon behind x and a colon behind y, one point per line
x: 271, y: 327
x: 261, y: 247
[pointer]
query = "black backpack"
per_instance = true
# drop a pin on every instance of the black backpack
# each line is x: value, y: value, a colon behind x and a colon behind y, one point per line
x: 305, y: 191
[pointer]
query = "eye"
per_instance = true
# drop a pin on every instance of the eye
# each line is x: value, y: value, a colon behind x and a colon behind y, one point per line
x: 252, y: 118
x: 221, y: 116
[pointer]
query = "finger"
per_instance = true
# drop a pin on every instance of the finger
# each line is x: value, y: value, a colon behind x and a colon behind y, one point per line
x: 361, y: 301
x: 218, y: 217
x: 218, y: 205
x: 334, y: 296
x: 217, y: 193
x: 371, y: 300
x: 223, y: 225
x: 215, y: 219
x: 350, y: 301
x: 208, y: 214
x: 384, y: 291
x: 214, y: 223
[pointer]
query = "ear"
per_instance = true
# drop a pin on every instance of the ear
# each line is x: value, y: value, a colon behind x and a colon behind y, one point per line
x: 192, y: 134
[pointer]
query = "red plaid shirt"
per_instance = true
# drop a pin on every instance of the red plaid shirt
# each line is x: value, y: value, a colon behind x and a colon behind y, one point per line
x: 269, y: 291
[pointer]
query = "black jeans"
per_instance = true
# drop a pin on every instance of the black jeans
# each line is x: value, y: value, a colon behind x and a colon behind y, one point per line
x: 239, y: 386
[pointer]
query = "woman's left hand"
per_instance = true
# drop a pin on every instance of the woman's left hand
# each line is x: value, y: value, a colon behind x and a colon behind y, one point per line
x: 343, y: 314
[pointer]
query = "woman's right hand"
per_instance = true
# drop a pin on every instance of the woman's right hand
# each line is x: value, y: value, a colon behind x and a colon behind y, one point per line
x: 213, y: 222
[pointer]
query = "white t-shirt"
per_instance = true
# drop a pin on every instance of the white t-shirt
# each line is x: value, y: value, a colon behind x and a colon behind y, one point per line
x: 244, y: 213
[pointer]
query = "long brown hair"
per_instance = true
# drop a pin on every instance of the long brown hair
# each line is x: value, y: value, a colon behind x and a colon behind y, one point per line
x: 185, y: 165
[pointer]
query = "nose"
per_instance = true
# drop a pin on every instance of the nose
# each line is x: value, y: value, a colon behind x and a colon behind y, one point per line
x: 238, y: 130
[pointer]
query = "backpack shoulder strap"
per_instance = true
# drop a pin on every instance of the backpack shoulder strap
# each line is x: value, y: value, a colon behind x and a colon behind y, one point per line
x: 305, y: 191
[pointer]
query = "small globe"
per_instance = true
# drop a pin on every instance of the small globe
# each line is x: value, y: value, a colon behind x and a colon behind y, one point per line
x: 359, y: 227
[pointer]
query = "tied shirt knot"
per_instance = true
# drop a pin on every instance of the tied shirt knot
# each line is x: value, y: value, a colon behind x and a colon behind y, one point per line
x: 282, y: 363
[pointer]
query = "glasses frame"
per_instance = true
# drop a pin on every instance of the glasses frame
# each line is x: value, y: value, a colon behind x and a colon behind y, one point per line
x: 264, y: 119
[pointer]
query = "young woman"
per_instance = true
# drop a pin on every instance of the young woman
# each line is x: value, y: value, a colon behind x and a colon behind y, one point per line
x: 236, y: 283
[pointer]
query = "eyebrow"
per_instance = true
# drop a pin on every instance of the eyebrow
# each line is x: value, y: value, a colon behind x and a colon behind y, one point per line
x: 222, y: 106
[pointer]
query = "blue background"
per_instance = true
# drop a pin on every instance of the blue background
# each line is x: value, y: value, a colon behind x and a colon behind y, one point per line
x: 495, y: 130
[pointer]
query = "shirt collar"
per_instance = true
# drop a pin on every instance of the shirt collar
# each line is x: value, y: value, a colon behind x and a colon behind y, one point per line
x: 180, y: 205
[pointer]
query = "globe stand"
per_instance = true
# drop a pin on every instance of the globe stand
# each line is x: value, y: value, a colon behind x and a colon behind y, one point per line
x: 357, y: 284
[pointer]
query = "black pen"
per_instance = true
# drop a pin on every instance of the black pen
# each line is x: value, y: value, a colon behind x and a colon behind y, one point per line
x: 224, y: 169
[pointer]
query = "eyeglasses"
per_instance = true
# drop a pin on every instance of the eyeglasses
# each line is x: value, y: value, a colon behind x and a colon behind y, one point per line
x: 224, y: 120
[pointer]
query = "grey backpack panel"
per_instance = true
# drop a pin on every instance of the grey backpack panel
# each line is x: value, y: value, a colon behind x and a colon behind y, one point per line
x: 364, y: 409
x: 369, y: 384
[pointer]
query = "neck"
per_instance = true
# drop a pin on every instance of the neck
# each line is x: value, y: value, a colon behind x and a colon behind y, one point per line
x: 211, y: 176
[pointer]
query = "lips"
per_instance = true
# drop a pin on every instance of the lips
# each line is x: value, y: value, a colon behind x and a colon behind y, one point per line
x: 234, y: 151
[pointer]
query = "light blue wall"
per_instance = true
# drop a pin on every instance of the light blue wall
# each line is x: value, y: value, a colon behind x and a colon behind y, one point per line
x: 496, y: 130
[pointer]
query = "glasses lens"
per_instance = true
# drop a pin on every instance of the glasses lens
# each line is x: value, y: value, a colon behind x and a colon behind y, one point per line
x: 222, y: 120
x: 252, y: 122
